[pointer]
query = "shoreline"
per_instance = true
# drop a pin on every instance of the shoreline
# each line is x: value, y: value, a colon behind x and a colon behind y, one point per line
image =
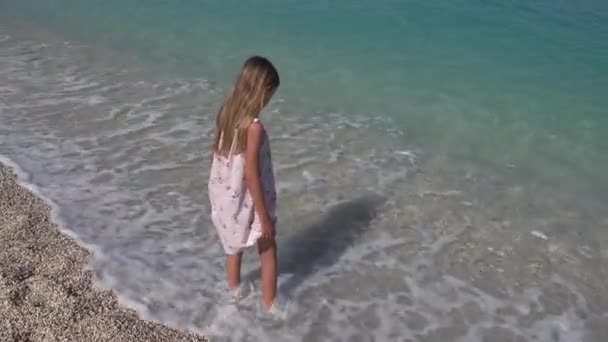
x: 46, y: 290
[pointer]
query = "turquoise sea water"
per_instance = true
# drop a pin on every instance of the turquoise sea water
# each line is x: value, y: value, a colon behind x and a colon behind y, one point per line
x: 515, y: 82
x: 482, y: 126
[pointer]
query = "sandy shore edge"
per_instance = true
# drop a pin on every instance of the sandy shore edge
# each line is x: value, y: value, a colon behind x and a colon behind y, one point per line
x: 46, y: 294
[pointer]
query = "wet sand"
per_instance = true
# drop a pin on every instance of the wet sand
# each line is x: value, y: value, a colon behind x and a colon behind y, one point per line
x: 46, y: 293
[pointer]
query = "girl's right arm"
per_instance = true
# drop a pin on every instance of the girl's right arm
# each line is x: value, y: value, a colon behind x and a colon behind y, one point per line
x: 255, y: 133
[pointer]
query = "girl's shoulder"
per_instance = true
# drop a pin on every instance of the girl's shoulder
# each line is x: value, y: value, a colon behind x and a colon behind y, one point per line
x: 256, y: 133
x: 256, y: 128
x: 256, y: 122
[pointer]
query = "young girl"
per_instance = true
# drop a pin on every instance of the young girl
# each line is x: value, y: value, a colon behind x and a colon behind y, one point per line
x: 241, y: 184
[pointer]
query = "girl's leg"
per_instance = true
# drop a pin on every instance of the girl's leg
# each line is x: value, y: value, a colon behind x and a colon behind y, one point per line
x: 233, y: 270
x: 268, y: 258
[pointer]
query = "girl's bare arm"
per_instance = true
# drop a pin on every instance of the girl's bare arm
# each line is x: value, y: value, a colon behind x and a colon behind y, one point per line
x: 255, y: 133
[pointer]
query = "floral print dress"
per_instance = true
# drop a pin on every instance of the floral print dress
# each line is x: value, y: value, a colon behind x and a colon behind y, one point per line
x: 232, y: 212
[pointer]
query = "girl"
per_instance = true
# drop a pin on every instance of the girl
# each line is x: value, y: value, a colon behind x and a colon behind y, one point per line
x: 241, y: 184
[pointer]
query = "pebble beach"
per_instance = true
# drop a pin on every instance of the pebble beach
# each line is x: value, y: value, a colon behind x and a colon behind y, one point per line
x: 46, y: 292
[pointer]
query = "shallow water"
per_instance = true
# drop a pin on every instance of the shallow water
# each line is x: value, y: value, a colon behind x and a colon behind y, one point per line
x: 388, y: 231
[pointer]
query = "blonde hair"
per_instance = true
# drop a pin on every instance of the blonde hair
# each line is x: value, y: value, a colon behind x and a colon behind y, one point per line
x: 255, y: 84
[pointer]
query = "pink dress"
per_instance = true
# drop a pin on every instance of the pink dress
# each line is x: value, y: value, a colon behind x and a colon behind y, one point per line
x: 232, y: 213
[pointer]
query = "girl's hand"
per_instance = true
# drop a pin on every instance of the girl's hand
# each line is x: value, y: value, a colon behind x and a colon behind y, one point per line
x: 268, y: 231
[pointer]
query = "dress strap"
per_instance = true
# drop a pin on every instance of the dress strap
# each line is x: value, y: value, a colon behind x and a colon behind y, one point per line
x: 233, y: 145
x: 221, y: 143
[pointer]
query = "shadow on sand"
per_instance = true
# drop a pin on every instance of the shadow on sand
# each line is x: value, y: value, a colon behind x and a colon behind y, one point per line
x: 321, y: 244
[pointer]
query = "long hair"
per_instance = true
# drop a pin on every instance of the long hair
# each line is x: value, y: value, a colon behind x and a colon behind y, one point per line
x: 255, y: 84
